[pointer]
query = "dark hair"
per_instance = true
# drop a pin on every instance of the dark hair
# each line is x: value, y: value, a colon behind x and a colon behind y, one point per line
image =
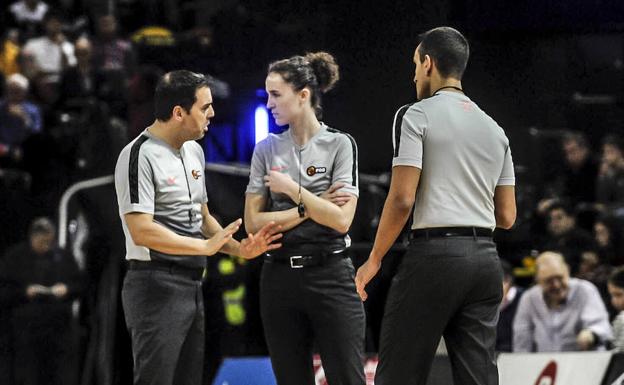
x: 448, y: 49
x: 53, y: 14
x: 318, y: 71
x: 576, y: 137
x: 176, y: 88
x: 507, y: 270
x: 617, y: 277
x: 561, y: 205
x: 615, y: 141
x: 41, y: 225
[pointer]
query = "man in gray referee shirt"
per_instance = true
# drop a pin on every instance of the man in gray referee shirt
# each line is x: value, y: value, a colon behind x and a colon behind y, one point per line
x: 161, y: 192
x: 453, y: 164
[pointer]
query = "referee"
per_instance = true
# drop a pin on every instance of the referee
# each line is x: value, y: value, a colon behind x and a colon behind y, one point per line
x: 161, y: 192
x: 453, y: 164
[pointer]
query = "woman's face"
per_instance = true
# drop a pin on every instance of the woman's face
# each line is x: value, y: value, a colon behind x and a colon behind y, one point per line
x: 601, y: 234
x: 285, y: 103
x: 617, y: 296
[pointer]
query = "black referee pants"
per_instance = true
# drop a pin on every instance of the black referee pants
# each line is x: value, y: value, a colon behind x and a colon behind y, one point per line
x: 165, y: 317
x: 313, y: 306
x: 449, y: 287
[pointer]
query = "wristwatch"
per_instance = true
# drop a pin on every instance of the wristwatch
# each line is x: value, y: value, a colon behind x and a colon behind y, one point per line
x: 301, y: 209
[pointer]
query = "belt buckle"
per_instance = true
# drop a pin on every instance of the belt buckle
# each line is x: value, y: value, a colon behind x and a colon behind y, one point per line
x: 292, y: 261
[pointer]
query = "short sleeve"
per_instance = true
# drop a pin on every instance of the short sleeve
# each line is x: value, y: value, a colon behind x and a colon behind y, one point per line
x: 507, y: 177
x: 410, y: 124
x: 134, y: 181
x: 258, y: 170
x: 346, y: 165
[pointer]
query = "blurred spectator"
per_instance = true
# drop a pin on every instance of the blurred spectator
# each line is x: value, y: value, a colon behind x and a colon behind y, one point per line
x: 52, y: 53
x: 581, y: 169
x: 45, y: 281
x: 565, y: 237
x: 616, y: 291
x: 110, y: 52
x: 114, y: 62
x: 9, y: 53
x: 608, y: 238
x: 19, y: 119
x: 141, y: 99
x: 560, y: 313
x: 610, y: 183
x: 28, y: 16
x: 508, y: 308
x: 79, y: 83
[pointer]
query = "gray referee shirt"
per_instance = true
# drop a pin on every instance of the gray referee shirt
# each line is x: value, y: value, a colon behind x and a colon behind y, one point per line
x: 154, y: 178
x: 329, y: 157
x: 463, y: 155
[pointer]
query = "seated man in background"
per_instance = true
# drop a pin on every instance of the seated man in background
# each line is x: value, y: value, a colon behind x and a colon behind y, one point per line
x: 560, y: 313
x: 44, y: 280
x: 19, y: 119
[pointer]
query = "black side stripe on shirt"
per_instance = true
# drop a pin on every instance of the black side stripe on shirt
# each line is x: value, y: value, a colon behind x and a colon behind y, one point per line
x: 398, y: 120
x: 133, y: 169
x: 354, y: 171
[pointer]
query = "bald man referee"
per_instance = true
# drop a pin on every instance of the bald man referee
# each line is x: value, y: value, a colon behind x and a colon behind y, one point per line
x: 452, y: 163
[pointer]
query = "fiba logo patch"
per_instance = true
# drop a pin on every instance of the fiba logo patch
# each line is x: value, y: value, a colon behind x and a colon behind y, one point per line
x: 548, y: 375
x: 311, y: 171
x: 196, y: 174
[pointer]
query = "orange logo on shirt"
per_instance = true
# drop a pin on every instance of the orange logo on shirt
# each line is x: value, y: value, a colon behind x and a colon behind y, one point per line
x: 311, y: 171
x: 196, y: 174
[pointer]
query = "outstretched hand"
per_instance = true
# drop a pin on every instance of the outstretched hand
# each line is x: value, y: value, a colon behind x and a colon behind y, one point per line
x: 262, y: 241
x: 217, y: 241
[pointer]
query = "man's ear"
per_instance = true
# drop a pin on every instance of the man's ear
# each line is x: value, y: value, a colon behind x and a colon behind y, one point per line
x: 428, y: 65
x: 177, y: 113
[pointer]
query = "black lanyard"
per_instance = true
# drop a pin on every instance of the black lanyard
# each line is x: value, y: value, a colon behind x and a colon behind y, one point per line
x: 445, y: 87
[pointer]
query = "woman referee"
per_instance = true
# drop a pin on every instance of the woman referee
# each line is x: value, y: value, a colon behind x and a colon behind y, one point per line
x: 305, y: 179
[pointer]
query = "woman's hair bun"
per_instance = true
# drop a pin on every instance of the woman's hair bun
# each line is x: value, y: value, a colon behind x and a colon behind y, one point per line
x: 325, y: 69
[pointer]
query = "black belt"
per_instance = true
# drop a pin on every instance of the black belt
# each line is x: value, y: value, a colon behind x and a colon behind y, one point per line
x: 195, y: 273
x: 443, y: 232
x: 305, y: 260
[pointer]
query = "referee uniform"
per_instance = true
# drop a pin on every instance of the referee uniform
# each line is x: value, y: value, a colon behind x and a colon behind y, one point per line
x: 307, y: 286
x: 161, y: 291
x: 450, y: 280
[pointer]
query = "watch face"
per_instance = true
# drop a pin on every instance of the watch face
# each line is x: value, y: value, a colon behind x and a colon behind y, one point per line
x: 301, y: 209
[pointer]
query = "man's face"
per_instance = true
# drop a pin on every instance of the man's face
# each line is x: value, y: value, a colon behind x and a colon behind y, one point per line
x: 575, y: 154
x: 559, y: 222
x: 195, y: 122
x: 15, y: 93
x: 617, y: 296
x: 53, y: 27
x: 107, y: 26
x: 553, y: 278
x: 42, y: 243
x: 611, y: 155
x: 421, y: 77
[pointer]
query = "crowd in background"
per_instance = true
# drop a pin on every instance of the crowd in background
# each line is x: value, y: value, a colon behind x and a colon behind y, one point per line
x: 76, y: 89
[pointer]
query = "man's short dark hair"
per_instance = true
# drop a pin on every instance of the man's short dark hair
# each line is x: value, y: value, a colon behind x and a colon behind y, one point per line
x: 563, y: 206
x: 615, y: 141
x: 41, y: 225
x: 176, y: 88
x: 577, y: 137
x: 448, y: 48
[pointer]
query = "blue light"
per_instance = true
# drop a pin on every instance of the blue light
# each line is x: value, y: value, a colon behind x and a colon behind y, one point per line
x: 261, y: 118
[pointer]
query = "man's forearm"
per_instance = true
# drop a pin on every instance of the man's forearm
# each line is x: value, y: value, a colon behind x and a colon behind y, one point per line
x: 393, y: 219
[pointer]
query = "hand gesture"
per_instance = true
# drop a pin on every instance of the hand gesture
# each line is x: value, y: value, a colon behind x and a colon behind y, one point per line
x: 59, y: 290
x: 262, y: 241
x: 279, y: 183
x: 335, y: 197
x: 35, y: 290
x: 585, y: 339
x: 216, y: 242
x: 365, y: 273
